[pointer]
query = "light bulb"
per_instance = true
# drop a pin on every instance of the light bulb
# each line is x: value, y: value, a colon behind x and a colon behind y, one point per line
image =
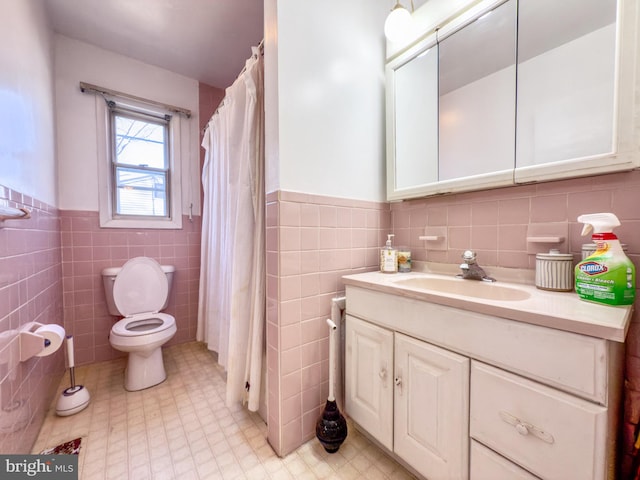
x: 399, y: 24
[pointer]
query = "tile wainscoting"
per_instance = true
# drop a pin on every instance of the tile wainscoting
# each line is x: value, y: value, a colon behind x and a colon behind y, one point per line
x: 311, y: 242
x: 30, y: 291
x: 87, y: 249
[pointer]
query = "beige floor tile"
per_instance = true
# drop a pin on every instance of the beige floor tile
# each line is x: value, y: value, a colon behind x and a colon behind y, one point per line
x: 182, y: 430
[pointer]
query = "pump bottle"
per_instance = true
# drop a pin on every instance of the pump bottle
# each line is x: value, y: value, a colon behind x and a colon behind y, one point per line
x: 389, y: 257
x: 606, y: 276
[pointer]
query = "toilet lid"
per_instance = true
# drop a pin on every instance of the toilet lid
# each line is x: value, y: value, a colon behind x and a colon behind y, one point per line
x: 140, y: 287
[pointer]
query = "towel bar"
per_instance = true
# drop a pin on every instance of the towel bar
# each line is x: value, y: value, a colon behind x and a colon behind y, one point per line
x: 10, y: 213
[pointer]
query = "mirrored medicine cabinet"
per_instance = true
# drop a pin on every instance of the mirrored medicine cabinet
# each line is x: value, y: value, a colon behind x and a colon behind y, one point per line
x: 514, y: 91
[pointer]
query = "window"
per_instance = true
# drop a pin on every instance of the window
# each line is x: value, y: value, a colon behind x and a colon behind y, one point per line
x: 140, y: 165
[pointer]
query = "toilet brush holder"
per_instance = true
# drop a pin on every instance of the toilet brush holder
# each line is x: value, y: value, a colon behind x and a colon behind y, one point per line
x: 74, y: 398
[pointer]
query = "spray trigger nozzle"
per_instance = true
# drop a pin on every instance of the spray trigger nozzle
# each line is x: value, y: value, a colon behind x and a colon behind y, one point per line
x: 598, y: 223
x: 587, y: 228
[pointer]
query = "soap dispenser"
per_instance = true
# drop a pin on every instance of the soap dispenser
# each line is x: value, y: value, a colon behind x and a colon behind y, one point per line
x: 389, y: 257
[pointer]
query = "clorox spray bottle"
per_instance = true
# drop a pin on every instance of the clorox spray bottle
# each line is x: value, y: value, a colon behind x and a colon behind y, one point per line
x: 606, y: 276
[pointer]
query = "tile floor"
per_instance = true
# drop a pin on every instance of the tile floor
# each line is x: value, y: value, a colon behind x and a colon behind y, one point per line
x: 182, y: 429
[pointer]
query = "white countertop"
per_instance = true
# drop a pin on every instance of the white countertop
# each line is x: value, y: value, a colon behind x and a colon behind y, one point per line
x: 560, y: 310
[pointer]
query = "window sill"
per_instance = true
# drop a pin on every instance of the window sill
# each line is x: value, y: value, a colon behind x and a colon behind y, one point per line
x: 142, y: 223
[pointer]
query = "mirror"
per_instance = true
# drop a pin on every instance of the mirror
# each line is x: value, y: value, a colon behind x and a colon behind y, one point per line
x: 566, y: 80
x: 520, y: 91
x: 417, y: 120
x: 477, y: 92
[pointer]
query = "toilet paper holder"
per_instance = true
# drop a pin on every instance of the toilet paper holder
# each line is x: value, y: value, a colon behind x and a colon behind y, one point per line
x: 32, y: 343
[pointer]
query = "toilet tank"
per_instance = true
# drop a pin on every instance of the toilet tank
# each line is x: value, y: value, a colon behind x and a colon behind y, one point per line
x: 109, y: 276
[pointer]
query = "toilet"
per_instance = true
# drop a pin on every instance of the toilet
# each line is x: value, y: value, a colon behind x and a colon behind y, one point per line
x: 138, y: 291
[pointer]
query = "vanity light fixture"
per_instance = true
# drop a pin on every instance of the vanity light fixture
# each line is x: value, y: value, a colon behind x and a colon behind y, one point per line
x: 399, y: 23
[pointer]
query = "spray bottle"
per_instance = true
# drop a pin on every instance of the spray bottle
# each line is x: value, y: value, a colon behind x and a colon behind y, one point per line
x: 607, y: 276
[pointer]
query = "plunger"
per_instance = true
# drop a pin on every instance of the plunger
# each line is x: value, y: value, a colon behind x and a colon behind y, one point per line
x: 331, y: 428
x: 75, y: 398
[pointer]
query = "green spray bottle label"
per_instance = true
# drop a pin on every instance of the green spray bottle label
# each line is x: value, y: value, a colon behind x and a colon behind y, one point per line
x: 607, y: 276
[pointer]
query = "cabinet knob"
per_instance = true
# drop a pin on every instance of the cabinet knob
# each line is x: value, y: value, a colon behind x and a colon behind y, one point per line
x: 383, y: 374
x: 397, y: 381
x: 522, y: 429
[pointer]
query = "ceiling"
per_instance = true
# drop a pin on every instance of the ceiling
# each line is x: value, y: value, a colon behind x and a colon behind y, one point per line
x: 207, y: 40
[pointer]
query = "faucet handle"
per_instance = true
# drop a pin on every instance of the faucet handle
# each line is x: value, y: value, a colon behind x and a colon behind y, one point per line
x: 469, y: 256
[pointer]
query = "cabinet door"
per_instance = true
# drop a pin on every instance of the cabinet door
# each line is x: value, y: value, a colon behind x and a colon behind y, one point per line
x: 368, y: 378
x: 431, y: 409
x: 576, y: 88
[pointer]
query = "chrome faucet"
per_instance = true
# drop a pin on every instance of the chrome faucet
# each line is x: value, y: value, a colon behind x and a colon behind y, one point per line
x: 471, y: 270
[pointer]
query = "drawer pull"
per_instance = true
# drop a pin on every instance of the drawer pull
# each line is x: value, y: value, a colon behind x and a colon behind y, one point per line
x: 524, y: 428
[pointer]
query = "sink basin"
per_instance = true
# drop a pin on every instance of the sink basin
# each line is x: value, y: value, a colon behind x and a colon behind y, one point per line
x: 469, y: 288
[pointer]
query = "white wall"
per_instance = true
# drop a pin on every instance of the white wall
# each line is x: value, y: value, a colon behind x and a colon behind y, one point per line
x: 329, y: 106
x: 27, y: 138
x: 77, y: 61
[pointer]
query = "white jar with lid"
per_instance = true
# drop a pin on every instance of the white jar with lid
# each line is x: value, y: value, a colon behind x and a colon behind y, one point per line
x: 554, y: 271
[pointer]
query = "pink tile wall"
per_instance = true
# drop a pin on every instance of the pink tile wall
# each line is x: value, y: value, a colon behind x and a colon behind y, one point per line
x: 312, y: 242
x: 208, y: 100
x: 495, y: 223
x: 30, y: 291
x: 87, y: 249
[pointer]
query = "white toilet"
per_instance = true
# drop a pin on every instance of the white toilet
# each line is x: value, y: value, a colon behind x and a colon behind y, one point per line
x: 138, y: 291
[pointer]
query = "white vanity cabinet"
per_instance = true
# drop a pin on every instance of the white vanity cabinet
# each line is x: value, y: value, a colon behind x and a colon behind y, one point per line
x: 456, y: 394
x: 412, y: 397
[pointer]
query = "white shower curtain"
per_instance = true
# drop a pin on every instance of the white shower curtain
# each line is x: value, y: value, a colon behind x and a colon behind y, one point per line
x: 231, y: 307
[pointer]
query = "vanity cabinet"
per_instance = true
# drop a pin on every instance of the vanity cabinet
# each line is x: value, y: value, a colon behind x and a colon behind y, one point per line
x: 456, y: 394
x: 412, y: 397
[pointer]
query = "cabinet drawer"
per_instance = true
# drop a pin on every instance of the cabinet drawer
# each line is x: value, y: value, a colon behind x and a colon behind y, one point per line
x: 488, y: 465
x: 548, y: 432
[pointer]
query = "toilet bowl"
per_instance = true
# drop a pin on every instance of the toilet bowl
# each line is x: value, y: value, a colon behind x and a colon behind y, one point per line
x: 138, y: 291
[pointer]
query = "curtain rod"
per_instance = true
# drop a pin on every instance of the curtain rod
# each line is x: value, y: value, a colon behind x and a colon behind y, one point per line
x: 87, y: 87
x: 260, y: 48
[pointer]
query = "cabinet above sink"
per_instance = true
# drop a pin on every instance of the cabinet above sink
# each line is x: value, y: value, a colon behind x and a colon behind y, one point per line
x: 496, y: 93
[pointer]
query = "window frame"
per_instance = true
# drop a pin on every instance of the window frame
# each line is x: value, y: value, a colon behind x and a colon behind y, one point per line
x: 118, y: 112
x: 106, y: 166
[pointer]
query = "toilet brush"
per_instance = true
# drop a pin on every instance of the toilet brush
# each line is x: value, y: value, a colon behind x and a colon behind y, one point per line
x: 76, y: 397
x: 331, y: 428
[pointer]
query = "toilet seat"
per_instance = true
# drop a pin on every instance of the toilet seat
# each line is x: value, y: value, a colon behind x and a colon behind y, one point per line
x: 143, y: 324
x: 141, y: 287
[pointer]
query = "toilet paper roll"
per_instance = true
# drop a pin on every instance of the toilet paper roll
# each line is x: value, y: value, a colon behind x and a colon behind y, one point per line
x: 54, y: 334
